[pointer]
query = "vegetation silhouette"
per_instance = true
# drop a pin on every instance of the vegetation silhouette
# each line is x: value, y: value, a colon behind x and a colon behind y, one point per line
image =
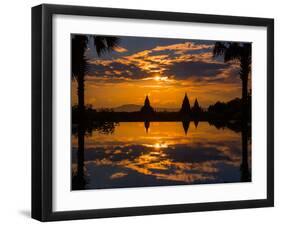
x: 242, y: 53
x: 79, y: 66
x: 220, y: 111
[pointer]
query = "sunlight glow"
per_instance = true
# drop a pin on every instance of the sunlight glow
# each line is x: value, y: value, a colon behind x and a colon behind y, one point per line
x: 157, y: 145
x: 159, y: 78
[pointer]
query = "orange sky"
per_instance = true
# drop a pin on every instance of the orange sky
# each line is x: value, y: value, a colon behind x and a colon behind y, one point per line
x: 164, y: 69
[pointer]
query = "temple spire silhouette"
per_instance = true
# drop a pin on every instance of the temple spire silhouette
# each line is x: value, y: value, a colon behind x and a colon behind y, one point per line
x: 196, y: 107
x: 147, y: 109
x: 185, y: 108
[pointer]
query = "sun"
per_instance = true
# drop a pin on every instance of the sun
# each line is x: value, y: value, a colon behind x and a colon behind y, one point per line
x: 160, y: 78
x: 160, y: 145
x: 157, y: 78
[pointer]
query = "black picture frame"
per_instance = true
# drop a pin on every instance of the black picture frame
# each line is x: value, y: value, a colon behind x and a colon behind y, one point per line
x: 42, y: 111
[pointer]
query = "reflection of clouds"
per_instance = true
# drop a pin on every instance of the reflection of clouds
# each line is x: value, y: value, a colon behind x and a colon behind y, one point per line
x: 157, y: 145
x: 120, y: 49
x: 118, y: 175
x: 199, y: 157
x: 163, y: 163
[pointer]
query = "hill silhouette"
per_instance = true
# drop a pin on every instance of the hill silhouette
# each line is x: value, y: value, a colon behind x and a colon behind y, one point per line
x: 136, y: 107
x: 127, y: 108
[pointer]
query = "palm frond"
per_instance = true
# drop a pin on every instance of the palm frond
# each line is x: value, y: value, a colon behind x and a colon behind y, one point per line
x: 233, y: 51
x: 219, y: 49
x: 105, y: 44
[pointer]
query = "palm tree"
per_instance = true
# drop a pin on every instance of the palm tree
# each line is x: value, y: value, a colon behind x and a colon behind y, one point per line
x: 102, y: 44
x: 242, y: 52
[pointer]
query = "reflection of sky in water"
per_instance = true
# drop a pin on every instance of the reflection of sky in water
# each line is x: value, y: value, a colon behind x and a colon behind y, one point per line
x: 165, y: 155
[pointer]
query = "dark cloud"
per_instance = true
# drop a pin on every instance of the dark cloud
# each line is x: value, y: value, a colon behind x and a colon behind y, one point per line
x: 199, y: 51
x: 166, y: 60
x: 183, y: 70
x: 117, y: 70
x: 177, y: 153
x: 195, y: 154
x: 167, y: 52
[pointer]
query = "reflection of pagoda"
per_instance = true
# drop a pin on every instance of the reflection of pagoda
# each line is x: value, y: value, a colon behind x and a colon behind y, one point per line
x: 185, y: 125
x: 196, y: 108
x: 146, y: 125
x: 196, y: 122
x: 185, y: 108
x: 147, y: 109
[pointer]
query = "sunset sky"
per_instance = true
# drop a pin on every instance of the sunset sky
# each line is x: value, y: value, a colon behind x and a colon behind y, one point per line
x: 164, y: 69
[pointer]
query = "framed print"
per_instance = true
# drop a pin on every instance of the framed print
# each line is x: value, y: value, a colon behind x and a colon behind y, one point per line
x: 144, y: 112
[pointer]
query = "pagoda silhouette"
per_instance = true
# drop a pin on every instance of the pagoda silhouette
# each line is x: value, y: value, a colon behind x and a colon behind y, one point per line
x: 147, y: 109
x: 196, y: 107
x: 185, y: 108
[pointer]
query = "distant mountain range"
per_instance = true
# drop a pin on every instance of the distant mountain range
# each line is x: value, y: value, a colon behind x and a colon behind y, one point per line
x: 135, y: 107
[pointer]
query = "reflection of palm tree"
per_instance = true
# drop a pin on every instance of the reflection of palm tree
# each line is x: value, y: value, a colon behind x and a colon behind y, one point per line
x: 79, y: 65
x: 244, y: 167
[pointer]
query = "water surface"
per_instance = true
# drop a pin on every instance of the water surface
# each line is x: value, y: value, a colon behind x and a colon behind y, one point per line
x: 137, y: 154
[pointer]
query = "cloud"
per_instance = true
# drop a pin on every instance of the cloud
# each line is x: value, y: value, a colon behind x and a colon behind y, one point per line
x: 183, y: 70
x: 186, y: 47
x: 117, y: 70
x: 118, y: 175
x: 187, y: 60
x: 120, y: 49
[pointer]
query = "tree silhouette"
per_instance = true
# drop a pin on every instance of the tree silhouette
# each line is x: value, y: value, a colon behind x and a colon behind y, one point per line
x: 243, y: 53
x: 102, y: 44
x: 79, y: 66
